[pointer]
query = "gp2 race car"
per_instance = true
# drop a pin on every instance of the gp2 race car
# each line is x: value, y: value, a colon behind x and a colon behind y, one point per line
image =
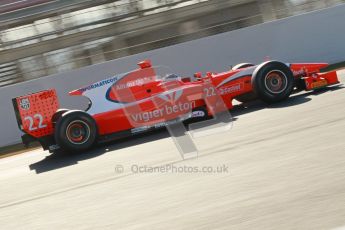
x: 141, y: 100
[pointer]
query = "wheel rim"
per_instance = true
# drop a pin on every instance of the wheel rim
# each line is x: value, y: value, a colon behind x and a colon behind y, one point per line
x: 78, y: 132
x: 276, y: 82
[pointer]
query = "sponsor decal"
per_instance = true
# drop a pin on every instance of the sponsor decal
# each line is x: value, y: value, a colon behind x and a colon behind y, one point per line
x: 137, y: 82
x: 164, y: 124
x: 230, y: 89
x: 163, y: 112
x: 99, y: 84
x: 155, y: 126
x: 46, y: 95
x: 25, y: 103
x: 140, y: 129
x: 298, y: 72
x: 111, y: 92
x: 198, y: 113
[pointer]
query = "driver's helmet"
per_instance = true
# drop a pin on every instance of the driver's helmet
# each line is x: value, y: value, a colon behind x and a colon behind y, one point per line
x: 171, y: 77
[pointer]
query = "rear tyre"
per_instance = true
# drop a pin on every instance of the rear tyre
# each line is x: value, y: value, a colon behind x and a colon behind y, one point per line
x: 58, y: 114
x: 273, y: 81
x: 75, y: 131
x: 242, y: 65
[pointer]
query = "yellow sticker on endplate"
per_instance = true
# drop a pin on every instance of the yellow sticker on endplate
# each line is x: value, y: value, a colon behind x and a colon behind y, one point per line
x: 319, y: 84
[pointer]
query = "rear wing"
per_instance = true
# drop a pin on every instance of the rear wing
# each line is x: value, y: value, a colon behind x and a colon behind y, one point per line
x: 34, y: 112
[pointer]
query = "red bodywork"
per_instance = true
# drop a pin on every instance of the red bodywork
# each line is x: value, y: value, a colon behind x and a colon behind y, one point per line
x: 140, y: 99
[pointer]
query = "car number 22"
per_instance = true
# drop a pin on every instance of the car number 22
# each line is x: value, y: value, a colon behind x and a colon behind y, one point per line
x: 32, y: 119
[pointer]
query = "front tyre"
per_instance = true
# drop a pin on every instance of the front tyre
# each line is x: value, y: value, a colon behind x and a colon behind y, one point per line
x: 273, y: 81
x: 75, y: 131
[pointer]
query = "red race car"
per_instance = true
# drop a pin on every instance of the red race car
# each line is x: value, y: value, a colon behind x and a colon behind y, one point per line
x: 149, y: 97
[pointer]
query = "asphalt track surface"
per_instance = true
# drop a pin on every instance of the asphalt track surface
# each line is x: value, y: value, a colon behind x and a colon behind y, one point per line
x: 286, y: 170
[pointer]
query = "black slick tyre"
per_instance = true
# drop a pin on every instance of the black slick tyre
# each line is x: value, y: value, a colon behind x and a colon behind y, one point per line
x: 75, y: 131
x: 273, y: 81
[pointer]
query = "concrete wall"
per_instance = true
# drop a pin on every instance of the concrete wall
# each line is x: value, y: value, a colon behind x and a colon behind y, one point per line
x: 313, y: 37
